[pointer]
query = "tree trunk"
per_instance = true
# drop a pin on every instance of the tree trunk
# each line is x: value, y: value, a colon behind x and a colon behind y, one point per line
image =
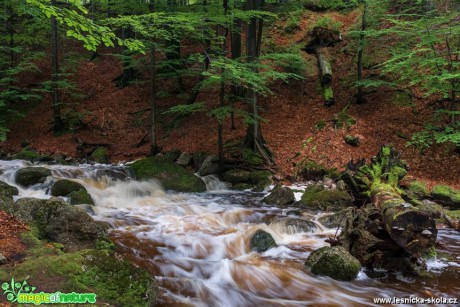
x: 153, y: 136
x: 58, y: 125
x: 360, y: 99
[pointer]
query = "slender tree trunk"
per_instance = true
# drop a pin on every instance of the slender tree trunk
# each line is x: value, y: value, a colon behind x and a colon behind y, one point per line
x: 153, y: 135
x: 253, y: 137
x: 58, y: 126
x: 360, y: 99
x: 237, y: 91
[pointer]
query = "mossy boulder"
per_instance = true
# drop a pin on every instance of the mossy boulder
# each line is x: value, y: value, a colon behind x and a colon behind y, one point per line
x: 236, y: 176
x: 172, y: 155
x: 57, y: 221
x: 262, y: 241
x: 310, y: 170
x: 172, y: 176
x: 261, y: 180
x: 316, y: 197
x: 68, y: 188
x: 29, y: 176
x: 280, y: 196
x: 334, y: 262
x: 115, y: 281
x: 446, y: 196
x: 100, y: 155
x: 7, y: 190
x: 29, y: 154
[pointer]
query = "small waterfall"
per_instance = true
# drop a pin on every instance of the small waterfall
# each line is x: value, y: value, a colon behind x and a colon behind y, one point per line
x: 213, y: 183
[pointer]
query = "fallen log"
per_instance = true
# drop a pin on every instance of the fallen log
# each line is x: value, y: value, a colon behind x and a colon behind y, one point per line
x: 385, y: 232
x: 412, y: 229
x: 328, y: 95
x: 324, y: 66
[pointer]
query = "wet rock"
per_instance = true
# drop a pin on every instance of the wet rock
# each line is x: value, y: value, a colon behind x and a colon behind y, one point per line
x: 172, y: 155
x: 334, y: 262
x: 261, y: 179
x: 100, y: 155
x: 262, y: 241
x: 210, y: 166
x: 280, y: 196
x: 336, y: 219
x: 3, y: 260
x: 7, y: 190
x: 446, y: 196
x: 57, y: 221
x: 184, y: 159
x: 316, y: 197
x: 29, y: 176
x: 236, y: 176
x: 171, y: 176
x: 77, y: 192
x: 198, y: 159
x: 242, y: 186
x: 292, y: 225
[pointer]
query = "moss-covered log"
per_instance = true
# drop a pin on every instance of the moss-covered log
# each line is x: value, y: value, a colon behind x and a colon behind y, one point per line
x: 410, y: 228
x: 324, y: 65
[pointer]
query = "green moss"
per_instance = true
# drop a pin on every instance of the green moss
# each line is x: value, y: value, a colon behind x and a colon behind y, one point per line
x: 430, y: 253
x: 65, y: 187
x: 80, y: 197
x: 317, y: 198
x: 334, y: 262
x: 417, y: 189
x: 453, y: 214
x: 328, y: 93
x: 171, y: 175
x: 319, y: 125
x: 261, y: 180
x: 251, y: 157
x: 102, y: 272
x: 100, y: 155
x: 446, y: 195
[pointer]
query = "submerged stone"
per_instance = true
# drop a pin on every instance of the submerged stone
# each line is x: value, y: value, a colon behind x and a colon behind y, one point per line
x: 262, y: 241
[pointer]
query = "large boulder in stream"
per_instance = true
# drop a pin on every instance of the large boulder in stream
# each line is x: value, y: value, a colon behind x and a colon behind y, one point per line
x: 171, y: 176
x: 280, y: 196
x: 68, y: 188
x: 292, y: 225
x: 7, y: 190
x: 29, y: 176
x: 334, y: 262
x: 210, y: 166
x: 262, y: 241
x: 316, y: 197
x: 57, y: 221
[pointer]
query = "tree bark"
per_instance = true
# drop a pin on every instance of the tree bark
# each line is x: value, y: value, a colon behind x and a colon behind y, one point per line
x: 58, y: 125
x: 324, y: 65
x: 360, y: 99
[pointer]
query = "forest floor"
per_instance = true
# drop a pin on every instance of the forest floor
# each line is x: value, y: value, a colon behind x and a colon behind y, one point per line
x: 294, y: 115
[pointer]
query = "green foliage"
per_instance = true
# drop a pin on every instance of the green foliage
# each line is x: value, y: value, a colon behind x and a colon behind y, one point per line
x: 328, y: 22
x: 441, y: 130
x: 333, y: 4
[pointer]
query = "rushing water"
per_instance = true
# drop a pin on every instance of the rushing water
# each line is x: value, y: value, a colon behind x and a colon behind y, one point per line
x: 197, y: 245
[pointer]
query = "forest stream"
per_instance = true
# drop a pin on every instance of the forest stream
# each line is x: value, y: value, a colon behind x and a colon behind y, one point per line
x: 197, y: 245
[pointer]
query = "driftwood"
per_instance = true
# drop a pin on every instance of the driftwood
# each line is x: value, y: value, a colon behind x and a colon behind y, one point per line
x: 388, y: 232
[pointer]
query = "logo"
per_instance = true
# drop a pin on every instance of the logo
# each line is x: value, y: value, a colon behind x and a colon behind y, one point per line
x: 23, y: 293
